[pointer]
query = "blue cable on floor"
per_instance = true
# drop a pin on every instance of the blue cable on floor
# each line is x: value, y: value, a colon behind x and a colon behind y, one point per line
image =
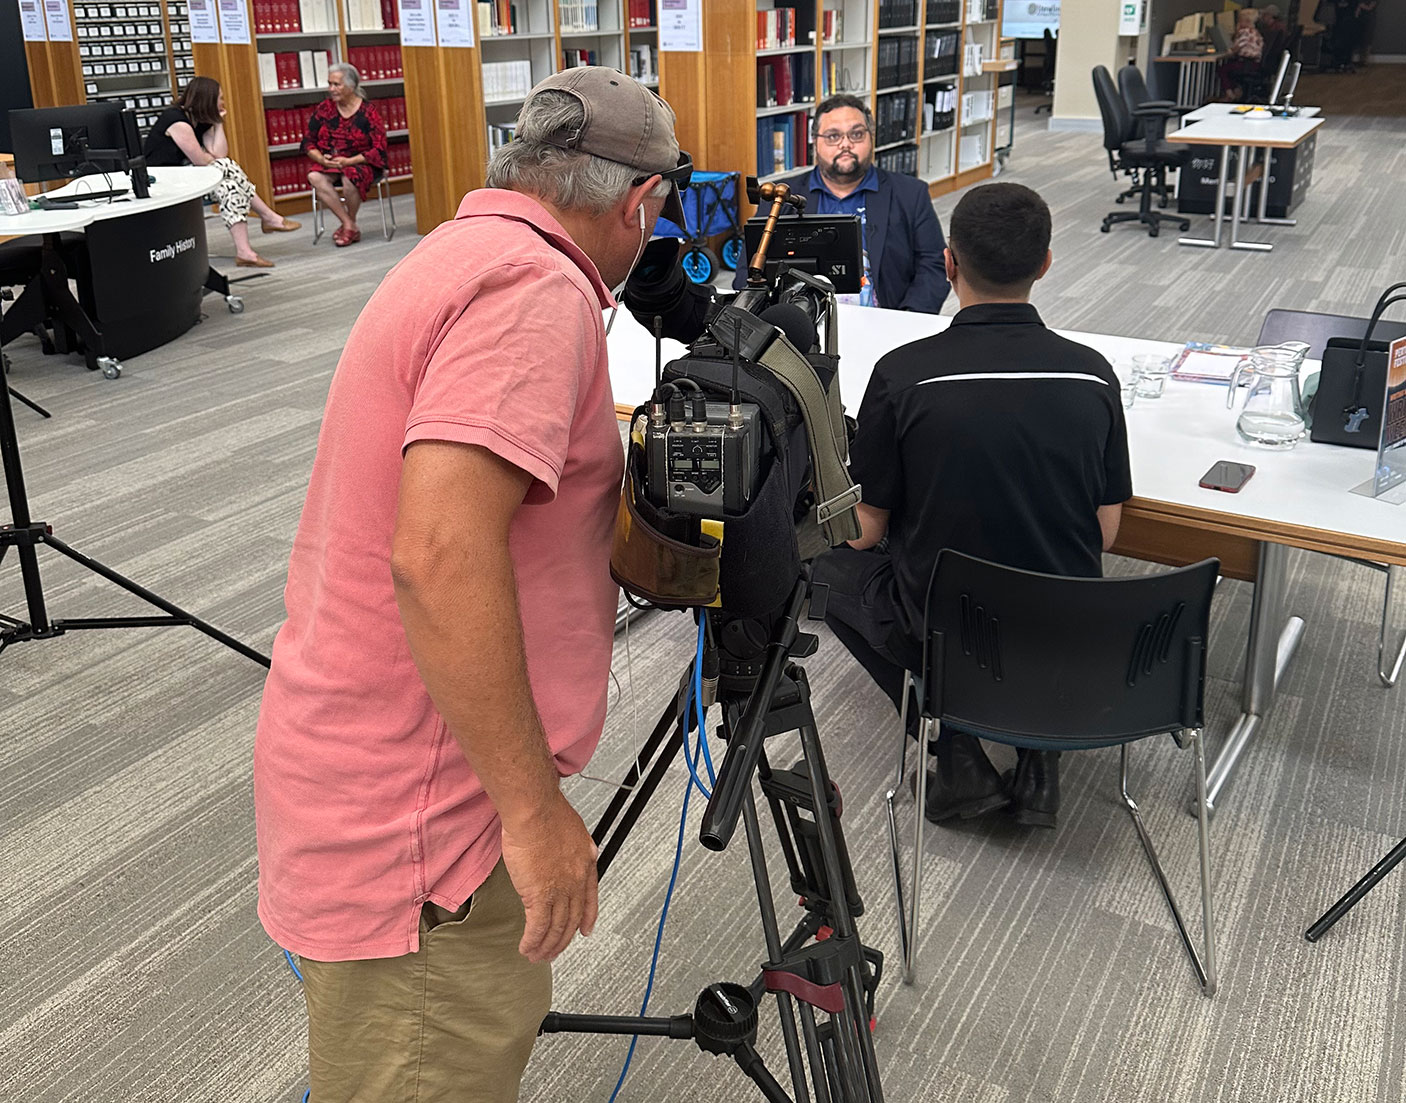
x: 700, y: 751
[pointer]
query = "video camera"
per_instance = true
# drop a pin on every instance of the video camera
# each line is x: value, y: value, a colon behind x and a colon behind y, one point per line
x: 744, y: 423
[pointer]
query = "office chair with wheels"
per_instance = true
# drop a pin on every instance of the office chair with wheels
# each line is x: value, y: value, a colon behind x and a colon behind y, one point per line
x: 383, y: 198
x: 1136, y: 95
x: 1141, y: 158
x: 1050, y: 663
x: 1315, y: 330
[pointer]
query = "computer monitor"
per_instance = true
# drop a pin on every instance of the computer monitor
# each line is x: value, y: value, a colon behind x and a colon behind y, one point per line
x: 1279, y: 79
x: 1293, y: 83
x: 1219, y: 40
x: 828, y: 245
x: 58, y: 143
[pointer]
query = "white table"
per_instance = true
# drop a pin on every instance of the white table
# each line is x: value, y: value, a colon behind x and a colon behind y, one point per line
x: 1196, y: 74
x: 1235, y: 110
x: 47, y: 300
x: 1242, y: 134
x: 1297, y: 499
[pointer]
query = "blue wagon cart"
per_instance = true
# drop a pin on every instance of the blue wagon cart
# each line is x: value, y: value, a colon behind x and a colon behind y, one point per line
x: 710, y: 206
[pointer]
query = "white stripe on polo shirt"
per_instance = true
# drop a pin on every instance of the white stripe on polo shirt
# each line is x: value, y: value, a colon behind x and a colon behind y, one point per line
x: 1013, y: 375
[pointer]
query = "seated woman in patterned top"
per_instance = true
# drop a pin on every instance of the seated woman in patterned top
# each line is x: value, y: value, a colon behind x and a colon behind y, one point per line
x: 347, y: 141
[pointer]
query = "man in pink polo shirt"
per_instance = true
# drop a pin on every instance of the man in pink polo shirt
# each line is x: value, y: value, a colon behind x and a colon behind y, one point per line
x: 450, y: 615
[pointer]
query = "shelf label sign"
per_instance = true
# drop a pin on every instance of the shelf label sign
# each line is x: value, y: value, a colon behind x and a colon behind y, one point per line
x: 32, y: 20
x: 456, y: 22
x: 417, y: 23
x: 1391, y: 451
x: 56, y: 16
x: 234, y: 22
x: 681, y: 25
x: 204, y: 22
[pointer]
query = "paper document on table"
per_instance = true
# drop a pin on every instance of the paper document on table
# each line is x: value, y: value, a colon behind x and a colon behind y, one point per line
x: 1203, y: 363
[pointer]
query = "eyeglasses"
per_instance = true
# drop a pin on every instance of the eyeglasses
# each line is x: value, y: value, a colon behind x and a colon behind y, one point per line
x: 835, y: 137
x: 679, y: 175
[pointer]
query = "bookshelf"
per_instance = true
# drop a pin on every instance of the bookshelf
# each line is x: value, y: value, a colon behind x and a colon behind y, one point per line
x: 125, y: 54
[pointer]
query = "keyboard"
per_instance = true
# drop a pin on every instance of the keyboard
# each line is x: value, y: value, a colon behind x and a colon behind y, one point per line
x: 70, y: 202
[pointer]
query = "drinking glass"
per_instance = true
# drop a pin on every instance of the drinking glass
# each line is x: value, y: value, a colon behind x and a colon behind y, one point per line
x: 1151, y: 371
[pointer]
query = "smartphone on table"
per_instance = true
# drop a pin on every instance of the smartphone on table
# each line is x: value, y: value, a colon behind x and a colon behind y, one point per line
x: 1227, y: 475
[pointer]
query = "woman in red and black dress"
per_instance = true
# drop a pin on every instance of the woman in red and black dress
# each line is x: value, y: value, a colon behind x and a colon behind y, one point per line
x: 347, y: 141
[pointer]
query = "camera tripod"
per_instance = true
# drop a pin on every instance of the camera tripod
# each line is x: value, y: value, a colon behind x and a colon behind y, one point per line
x: 26, y: 535
x: 822, y: 967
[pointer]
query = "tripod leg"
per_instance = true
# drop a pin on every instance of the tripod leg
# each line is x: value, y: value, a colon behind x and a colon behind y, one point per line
x: 767, y: 906
x: 153, y: 599
x: 1357, y: 892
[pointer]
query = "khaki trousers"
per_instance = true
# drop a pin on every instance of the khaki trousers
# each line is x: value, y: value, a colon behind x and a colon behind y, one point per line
x: 453, y: 1023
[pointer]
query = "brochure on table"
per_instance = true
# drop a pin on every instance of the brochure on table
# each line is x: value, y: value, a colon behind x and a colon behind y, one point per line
x: 1205, y: 363
x: 1389, y: 479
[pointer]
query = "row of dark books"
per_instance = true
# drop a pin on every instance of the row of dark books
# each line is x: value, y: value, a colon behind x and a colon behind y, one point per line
x: 940, y: 52
x: 641, y: 13
x: 904, y: 161
x: 895, y: 117
x: 939, y: 109
x: 786, y: 79
x: 782, y: 143
x: 897, y: 13
x: 898, y: 61
x: 944, y: 11
x: 376, y: 62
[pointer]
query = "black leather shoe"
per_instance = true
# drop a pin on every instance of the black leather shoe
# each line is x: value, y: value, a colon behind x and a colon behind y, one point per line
x: 1034, y: 785
x: 965, y: 784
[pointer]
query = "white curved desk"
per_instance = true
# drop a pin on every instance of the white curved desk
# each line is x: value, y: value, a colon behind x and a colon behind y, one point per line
x: 147, y: 261
x: 1298, y: 499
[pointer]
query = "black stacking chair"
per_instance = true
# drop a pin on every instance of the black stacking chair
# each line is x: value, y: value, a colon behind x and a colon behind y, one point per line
x: 1316, y: 330
x: 1060, y: 664
x: 1145, y: 159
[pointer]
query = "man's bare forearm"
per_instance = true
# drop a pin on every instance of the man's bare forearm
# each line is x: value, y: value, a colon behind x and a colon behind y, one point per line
x: 459, y: 607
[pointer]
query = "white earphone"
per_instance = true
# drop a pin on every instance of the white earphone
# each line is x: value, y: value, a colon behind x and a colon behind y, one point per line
x: 640, y: 208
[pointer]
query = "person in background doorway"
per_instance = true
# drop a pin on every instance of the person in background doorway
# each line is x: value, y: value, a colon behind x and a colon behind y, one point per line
x: 192, y: 132
x: 1246, y: 53
x: 902, y: 238
x: 347, y: 141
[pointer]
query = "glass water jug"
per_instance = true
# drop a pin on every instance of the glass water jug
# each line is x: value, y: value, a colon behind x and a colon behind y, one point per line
x: 1273, y: 413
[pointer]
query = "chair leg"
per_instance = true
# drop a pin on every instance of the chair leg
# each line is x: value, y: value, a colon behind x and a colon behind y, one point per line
x: 1388, y: 678
x: 317, y: 230
x: 383, y: 197
x: 895, y: 855
x: 1204, y: 964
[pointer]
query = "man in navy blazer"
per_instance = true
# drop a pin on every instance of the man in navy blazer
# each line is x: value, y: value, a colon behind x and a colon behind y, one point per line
x: 903, y: 241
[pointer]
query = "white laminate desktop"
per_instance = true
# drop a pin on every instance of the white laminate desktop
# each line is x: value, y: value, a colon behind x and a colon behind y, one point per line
x: 171, y: 185
x: 1299, y: 498
x: 1216, y: 110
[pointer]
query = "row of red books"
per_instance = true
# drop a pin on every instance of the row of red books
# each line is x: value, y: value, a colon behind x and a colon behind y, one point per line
x: 285, y: 126
x: 292, y: 73
x: 376, y: 62
x: 398, y: 159
x: 392, y: 112
x: 286, y: 16
x: 776, y: 27
x: 290, y: 174
x: 641, y: 13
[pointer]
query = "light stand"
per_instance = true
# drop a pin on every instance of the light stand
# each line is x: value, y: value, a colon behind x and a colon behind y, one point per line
x: 25, y: 535
x: 822, y: 968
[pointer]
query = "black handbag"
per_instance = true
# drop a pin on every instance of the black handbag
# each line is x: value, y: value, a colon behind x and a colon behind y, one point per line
x: 1348, y: 407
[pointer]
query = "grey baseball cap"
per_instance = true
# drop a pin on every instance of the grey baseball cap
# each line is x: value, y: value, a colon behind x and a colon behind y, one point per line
x: 626, y: 123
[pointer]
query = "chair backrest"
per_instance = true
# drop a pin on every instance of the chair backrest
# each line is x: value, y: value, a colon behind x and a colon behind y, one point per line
x: 1047, y: 62
x: 1132, y: 87
x: 1117, y: 119
x: 1035, y: 659
x: 1315, y: 329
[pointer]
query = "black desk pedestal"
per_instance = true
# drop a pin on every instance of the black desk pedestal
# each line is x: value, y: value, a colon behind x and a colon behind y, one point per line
x: 1290, y: 173
x: 147, y: 274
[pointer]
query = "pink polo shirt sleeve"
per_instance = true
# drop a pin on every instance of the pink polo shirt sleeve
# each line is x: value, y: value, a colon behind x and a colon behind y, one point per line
x: 488, y: 383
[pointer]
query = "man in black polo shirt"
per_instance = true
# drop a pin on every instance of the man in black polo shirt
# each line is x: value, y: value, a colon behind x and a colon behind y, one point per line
x: 996, y: 438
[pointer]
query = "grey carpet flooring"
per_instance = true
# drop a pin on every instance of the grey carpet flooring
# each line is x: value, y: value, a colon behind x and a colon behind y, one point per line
x: 132, y: 966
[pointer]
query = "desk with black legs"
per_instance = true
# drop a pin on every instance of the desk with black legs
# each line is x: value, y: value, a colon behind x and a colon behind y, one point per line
x: 144, y: 268
x: 1301, y: 498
